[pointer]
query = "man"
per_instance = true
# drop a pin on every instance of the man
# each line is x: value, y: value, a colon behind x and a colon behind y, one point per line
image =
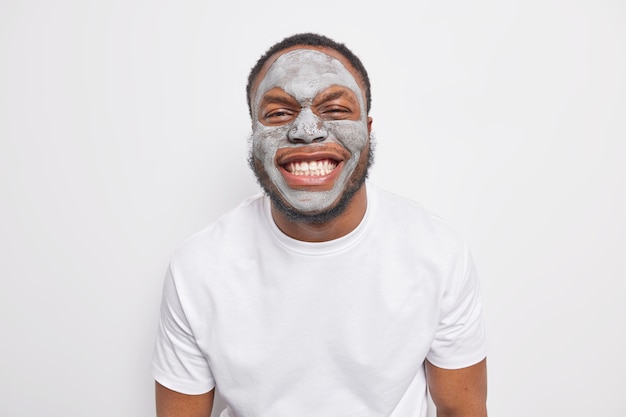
x: 324, y: 296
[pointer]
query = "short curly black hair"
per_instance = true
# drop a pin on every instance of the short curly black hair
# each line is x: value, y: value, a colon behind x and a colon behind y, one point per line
x: 311, y: 39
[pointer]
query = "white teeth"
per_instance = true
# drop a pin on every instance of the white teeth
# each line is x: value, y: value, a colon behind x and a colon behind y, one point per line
x: 313, y: 168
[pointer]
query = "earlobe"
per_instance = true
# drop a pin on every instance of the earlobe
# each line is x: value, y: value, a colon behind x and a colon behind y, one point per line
x: 369, y: 124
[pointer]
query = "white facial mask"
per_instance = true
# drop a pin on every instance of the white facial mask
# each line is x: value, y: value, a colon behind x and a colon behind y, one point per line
x: 303, y: 74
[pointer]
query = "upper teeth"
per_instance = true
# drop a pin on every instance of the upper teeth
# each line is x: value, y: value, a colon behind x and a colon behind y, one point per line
x: 312, y: 168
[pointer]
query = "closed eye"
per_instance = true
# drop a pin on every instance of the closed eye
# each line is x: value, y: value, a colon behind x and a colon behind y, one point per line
x: 277, y: 107
x: 334, y: 112
x: 337, y: 103
x: 279, y: 116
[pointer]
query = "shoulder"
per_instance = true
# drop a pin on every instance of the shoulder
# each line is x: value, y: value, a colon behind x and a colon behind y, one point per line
x: 225, y: 235
x: 420, y: 238
x: 410, y: 217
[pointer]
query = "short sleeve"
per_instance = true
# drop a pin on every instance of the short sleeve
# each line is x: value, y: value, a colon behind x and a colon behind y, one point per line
x: 178, y: 363
x: 460, y: 338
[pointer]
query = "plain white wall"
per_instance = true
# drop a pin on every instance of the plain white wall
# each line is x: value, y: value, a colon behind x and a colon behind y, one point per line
x: 123, y: 129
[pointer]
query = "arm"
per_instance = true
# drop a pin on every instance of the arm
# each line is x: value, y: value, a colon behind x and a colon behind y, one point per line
x: 459, y: 392
x: 174, y: 404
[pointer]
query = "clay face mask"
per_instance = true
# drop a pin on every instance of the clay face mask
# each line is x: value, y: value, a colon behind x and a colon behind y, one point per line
x: 309, y: 159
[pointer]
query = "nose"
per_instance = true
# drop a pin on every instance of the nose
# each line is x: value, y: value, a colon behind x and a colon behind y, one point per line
x: 307, y: 128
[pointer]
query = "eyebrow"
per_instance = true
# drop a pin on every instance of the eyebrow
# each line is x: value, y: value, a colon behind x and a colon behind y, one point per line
x: 324, y: 96
x: 275, y: 98
x: 336, y: 94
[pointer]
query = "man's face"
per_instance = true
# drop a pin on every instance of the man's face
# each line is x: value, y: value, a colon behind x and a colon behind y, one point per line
x: 310, y: 132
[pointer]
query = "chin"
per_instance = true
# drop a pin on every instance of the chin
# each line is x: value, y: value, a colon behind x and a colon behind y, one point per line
x: 324, y: 215
x: 321, y: 216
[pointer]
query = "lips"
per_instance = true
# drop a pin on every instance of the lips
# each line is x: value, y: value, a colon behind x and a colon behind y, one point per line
x: 307, y: 167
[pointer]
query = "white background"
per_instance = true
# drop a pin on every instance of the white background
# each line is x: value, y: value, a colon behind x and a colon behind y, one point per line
x: 123, y: 129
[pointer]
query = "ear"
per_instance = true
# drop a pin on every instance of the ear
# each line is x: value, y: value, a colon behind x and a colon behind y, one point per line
x: 369, y: 124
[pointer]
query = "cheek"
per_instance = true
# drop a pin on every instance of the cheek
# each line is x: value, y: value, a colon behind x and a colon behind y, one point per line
x: 352, y: 135
x: 266, y: 140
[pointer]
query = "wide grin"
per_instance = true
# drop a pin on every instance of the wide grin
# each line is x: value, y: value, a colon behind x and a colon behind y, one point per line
x: 311, y: 168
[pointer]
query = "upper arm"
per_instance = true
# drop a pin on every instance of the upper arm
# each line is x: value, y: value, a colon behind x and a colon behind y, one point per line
x: 174, y: 404
x: 459, y: 392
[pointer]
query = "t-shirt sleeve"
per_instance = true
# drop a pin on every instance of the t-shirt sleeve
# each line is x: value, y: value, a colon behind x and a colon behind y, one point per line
x: 460, y: 338
x: 178, y: 363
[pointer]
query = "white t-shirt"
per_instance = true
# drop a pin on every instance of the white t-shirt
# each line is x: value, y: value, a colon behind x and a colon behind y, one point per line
x: 339, y: 328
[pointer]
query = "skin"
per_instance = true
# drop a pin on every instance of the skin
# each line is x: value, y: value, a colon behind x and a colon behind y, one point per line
x: 174, y: 404
x: 459, y: 392
x: 294, y: 123
x: 310, y: 113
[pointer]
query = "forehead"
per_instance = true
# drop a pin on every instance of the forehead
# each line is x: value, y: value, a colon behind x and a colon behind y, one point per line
x: 304, y: 70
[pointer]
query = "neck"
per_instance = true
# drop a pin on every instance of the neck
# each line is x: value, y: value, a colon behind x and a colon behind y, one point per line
x: 322, y: 232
